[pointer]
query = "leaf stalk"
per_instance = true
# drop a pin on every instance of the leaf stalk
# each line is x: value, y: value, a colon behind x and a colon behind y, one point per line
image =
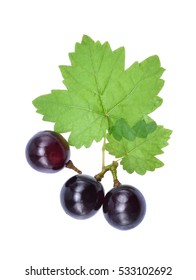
x: 103, y: 153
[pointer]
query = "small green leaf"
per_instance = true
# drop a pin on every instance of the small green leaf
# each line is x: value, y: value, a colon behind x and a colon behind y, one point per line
x: 144, y: 127
x: 122, y: 129
x: 139, y: 155
x: 140, y: 129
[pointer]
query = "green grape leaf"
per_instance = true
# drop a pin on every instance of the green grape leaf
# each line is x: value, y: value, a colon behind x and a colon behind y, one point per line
x: 139, y: 155
x: 100, y: 92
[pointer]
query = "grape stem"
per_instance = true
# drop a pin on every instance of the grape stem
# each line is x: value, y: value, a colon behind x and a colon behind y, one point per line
x: 103, y: 153
x: 113, y: 169
x: 70, y: 165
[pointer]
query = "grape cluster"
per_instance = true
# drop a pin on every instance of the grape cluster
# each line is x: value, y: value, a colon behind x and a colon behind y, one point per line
x: 82, y: 195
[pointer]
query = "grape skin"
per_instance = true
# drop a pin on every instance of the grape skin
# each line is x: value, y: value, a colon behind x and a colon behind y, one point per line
x: 124, y: 207
x: 47, y: 151
x: 82, y: 196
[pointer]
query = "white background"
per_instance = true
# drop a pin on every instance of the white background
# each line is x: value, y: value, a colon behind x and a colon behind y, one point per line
x: 36, y: 36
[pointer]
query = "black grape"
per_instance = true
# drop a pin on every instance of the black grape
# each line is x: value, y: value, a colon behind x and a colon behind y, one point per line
x: 124, y: 207
x: 82, y: 196
x: 47, y: 151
